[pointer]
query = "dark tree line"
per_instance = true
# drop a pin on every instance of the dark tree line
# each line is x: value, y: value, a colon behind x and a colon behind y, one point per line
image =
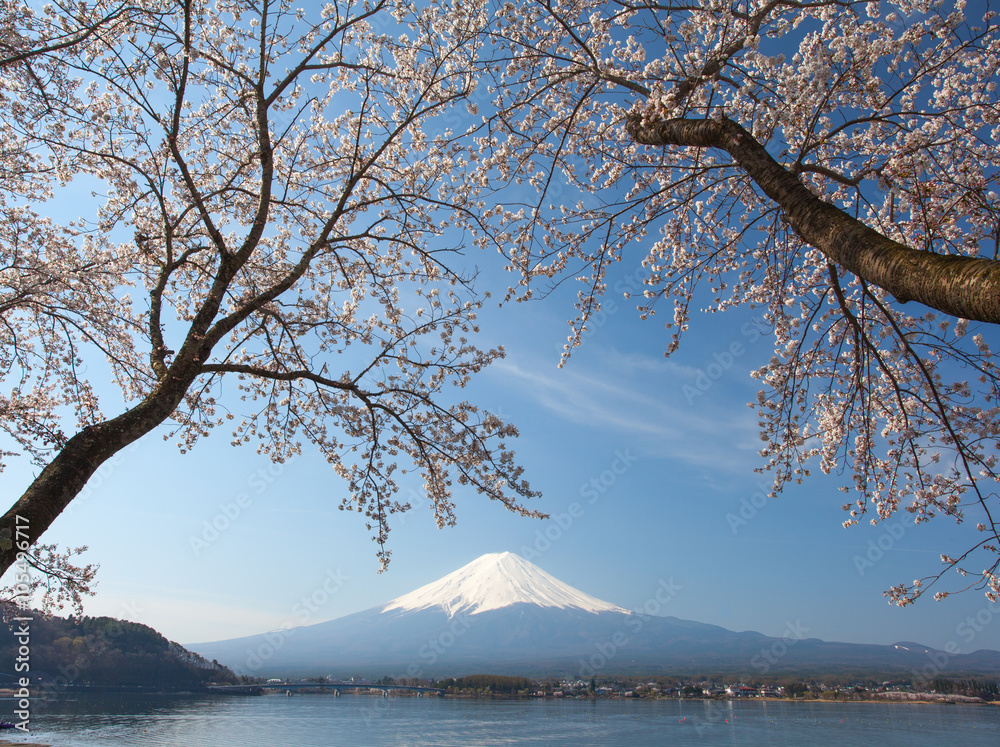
x: 497, y: 684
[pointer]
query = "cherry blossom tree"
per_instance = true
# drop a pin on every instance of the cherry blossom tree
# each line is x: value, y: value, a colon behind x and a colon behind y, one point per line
x: 833, y: 163
x: 275, y: 207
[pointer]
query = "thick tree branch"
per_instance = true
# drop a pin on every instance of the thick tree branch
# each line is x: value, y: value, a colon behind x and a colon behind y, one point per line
x: 964, y: 287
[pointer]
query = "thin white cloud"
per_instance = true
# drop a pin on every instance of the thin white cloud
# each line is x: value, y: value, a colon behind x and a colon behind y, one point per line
x: 636, y: 395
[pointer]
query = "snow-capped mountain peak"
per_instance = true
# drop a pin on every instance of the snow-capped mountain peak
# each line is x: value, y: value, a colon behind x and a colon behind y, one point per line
x: 495, y: 581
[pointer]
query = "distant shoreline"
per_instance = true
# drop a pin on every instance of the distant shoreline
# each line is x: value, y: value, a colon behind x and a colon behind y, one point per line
x: 944, y: 700
x: 918, y: 698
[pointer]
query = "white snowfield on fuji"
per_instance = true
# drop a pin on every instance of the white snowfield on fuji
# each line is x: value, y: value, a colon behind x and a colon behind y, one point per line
x: 495, y: 581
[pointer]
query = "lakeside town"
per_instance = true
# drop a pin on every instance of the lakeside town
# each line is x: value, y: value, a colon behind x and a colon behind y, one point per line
x: 487, y: 686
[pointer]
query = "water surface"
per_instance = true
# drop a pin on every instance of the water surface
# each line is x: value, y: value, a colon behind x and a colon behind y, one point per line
x: 353, y: 720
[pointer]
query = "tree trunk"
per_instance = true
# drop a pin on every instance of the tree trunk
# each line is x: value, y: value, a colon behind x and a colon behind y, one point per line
x: 964, y: 287
x: 67, y: 474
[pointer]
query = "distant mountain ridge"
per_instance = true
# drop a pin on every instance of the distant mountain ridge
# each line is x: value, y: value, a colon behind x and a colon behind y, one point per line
x: 501, y: 614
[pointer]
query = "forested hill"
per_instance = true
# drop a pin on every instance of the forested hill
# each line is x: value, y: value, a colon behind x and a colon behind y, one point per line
x: 103, y: 651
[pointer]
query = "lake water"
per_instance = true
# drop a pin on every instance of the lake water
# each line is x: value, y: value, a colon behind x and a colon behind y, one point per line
x: 360, y: 720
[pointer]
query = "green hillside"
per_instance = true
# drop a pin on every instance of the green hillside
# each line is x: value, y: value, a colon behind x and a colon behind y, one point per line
x: 103, y: 651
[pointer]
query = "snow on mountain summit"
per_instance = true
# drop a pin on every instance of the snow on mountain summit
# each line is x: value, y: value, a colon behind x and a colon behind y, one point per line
x: 495, y: 581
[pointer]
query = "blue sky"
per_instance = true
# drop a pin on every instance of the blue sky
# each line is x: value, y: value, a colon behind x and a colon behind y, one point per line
x: 646, y: 465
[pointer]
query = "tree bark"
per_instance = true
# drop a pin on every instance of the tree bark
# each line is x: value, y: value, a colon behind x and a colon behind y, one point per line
x: 964, y: 287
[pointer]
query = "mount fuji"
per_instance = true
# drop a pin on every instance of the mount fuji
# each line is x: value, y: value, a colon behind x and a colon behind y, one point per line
x: 503, y: 614
x: 493, y: 582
